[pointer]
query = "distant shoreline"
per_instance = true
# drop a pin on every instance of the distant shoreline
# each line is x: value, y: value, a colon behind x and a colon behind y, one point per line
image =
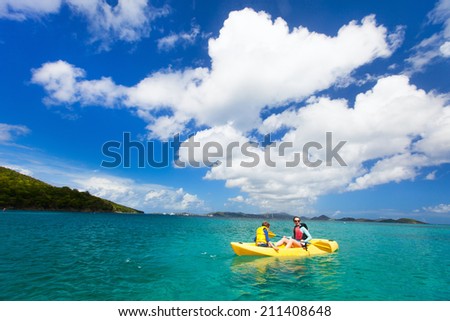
x: 235, y: 215
x: 269, y: 216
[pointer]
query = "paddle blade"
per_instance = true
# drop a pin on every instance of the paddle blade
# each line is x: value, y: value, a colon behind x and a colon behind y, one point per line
x: 325, y: 245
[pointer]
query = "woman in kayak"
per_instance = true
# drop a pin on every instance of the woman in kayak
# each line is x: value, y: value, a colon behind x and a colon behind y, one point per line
x: 262, y: 236
x: 300, y: 238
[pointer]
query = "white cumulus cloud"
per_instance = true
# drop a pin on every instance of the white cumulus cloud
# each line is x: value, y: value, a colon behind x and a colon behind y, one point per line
x: 170, y: 199
x: 255, y: 62
x: 148, y: 197
x: 238, y: 199
x: 128, y: 20
x: 441, y: 208
x: 65, y: 85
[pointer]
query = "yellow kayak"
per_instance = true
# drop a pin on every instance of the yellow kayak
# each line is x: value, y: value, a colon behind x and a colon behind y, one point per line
x: 315, y: 247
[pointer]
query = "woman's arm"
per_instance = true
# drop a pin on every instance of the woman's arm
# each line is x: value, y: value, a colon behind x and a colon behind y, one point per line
x: 305, y: 231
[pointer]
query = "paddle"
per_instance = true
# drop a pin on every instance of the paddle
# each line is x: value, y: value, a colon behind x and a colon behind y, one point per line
x: 324, y: 245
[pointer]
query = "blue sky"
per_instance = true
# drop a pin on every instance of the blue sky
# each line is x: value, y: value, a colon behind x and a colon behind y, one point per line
x: 77, y: 74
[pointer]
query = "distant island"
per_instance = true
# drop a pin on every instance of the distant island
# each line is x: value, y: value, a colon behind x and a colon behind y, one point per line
x: 351, y: 219
x: 22, y: 192
x: 282, y: 215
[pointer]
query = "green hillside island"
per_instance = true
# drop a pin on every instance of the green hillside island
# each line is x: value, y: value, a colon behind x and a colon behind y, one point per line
x: 21, y: 192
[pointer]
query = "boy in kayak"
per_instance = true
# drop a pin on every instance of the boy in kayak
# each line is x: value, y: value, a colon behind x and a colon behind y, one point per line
x: 262, y: 236
x: 300, y: 238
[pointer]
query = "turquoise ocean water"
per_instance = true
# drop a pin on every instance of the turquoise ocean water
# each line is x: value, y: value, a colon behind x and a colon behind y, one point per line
x: 76, y: 256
